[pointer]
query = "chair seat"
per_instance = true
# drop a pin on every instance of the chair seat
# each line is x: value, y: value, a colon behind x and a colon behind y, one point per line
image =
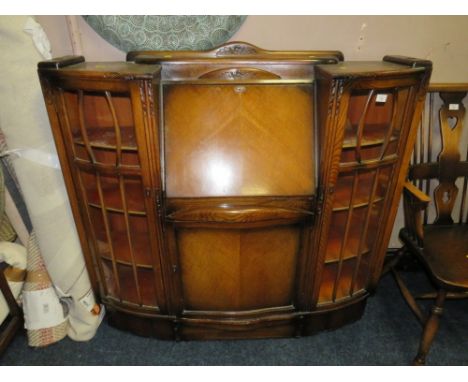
x: 446, y: 254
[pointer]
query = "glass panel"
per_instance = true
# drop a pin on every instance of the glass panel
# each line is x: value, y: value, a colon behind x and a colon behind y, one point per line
x: 147, y: 287
x: 107, y: 156
x: 129, y: 292
x: 130, y: 158
x: 99, y: 230
x: 104, y: 121
x: 143, y: 294
x: 336, y: 241
x: 367, y: 153
x: 363, y: 223
x: 140, y: 240
x: 128, y: 289
x: 110, y: 281
x: 403, y: 99
x: 112, y: 197
x: 364, y: 187
x: 374, y: 110
x: 373, y: 124
x: 100, y: 122
x: 227, y: 140
x: 360, y: 274
x: 120, y: 238
x: 101, y: 128
x: 343, y: 285
x: 373, y: 224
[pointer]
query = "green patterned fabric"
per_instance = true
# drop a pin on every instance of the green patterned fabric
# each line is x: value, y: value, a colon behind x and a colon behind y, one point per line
x: 165, y: 32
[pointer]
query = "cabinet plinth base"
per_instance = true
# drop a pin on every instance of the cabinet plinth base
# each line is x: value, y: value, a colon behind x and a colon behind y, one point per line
x: 279, y: 326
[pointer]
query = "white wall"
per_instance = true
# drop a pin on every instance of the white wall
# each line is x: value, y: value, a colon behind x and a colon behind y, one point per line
x: 442, y: 39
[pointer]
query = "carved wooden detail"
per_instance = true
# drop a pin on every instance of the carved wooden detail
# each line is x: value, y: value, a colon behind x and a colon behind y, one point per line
x: 239, y: 74
x: 237, y: 49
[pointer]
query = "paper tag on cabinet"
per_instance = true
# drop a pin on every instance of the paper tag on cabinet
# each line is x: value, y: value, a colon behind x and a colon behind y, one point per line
x: 381, y: 98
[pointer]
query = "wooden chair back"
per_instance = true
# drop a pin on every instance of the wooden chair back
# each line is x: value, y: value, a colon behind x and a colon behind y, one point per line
x: 439, y: 164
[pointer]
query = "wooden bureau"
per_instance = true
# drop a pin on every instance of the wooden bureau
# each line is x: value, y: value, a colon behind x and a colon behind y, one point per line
x: 238, y: 192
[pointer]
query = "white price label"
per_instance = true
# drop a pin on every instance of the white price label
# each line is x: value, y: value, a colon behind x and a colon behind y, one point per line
x: 88, y: 300
x: 381, y: 98
x: 454, y: 106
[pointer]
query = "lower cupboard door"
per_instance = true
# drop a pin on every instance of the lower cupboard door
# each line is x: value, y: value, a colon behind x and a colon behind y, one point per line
x: 238, y: 270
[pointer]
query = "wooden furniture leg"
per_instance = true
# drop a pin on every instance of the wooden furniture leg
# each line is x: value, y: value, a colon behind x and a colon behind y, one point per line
x: 430, y: 329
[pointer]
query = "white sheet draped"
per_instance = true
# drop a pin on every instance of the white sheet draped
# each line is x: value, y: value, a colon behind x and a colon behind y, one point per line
x: 24, y: 121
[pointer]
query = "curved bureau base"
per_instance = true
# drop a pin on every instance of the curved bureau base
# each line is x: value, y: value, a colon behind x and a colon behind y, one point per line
x: 279, y: 326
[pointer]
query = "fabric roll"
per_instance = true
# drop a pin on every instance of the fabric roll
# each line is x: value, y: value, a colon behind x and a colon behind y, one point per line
x: 13, y: 254
x: 6, y: 160
x: 10, y: 194
x: 45, y: 317
x: 24, y: 121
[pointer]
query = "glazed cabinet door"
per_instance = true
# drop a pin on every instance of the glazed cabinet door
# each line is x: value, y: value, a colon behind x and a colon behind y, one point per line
x: 368, y: 130
x: 105, y: 126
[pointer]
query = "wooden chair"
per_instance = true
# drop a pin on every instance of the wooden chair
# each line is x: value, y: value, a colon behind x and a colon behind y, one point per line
x: 440, y: 241
x: 14, y: 321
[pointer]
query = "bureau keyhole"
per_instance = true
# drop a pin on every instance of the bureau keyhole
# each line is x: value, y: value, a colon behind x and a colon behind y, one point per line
x: 240, y: 89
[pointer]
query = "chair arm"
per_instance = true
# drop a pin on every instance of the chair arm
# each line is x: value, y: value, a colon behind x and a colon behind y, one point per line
x: 414, y: 203
x: 416, y: 193
x: 5, y: 289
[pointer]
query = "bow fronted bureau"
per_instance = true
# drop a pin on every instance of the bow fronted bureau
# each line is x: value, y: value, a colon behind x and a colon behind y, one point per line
x: 238, y: 192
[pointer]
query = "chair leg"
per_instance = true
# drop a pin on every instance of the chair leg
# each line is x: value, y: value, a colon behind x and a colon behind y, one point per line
x: 430, y: 329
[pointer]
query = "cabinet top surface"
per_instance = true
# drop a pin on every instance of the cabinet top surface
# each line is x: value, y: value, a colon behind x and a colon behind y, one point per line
x: 363, y: 68
x: 114, y: 69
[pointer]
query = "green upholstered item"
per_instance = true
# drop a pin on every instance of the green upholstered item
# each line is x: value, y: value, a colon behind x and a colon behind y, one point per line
x: 165, y: 32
